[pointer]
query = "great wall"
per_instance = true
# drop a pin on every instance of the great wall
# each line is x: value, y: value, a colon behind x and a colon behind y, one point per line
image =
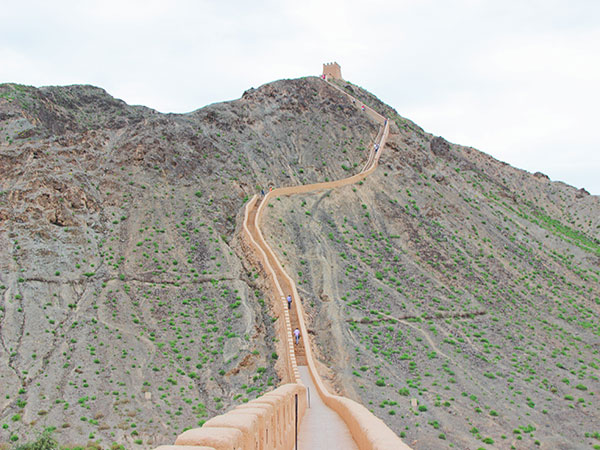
x: 288, y: 417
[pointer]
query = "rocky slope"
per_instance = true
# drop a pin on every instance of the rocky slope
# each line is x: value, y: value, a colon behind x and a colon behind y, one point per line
x: 454, y: 295
x: 127, y: 311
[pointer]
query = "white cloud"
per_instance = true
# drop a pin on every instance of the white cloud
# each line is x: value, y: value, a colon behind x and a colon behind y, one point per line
x: 515, y: 79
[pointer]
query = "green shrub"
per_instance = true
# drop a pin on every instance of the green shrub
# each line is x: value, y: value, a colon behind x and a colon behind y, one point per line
x: 44, y: 441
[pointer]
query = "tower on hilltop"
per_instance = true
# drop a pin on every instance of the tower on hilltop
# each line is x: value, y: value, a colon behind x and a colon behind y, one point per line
x: 332, y: 70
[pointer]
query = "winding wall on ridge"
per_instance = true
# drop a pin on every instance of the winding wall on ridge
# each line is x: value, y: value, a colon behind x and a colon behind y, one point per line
x: 270, y: 421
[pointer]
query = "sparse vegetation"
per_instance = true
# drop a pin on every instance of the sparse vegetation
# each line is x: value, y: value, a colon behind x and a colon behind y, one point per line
x: 456, y: 296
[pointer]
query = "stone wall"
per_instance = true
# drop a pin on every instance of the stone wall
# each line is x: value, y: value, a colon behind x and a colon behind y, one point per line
x: 266, y: 423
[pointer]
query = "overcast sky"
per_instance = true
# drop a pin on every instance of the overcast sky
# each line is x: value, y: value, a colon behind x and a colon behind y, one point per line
x: 519, y: 80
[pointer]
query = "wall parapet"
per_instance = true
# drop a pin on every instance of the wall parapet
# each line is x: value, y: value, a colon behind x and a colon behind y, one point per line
x: 289, y: 356
x: 265, y: 423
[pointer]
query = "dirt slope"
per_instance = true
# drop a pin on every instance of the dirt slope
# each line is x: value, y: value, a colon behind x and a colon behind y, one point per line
x: 129, y: 312
x: 460, y: 282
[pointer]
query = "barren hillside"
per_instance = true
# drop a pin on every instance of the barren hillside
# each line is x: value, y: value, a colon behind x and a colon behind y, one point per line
x: 129, y: 312
x: 455, y: 281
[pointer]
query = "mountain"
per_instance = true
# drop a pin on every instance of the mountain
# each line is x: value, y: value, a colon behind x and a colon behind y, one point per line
x: 455, y: 296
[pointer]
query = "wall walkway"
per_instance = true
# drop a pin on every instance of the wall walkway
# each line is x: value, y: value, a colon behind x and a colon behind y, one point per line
x: 322, y: 428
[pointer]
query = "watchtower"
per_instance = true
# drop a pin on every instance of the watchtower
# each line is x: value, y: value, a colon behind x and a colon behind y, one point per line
x: 332, y: 70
